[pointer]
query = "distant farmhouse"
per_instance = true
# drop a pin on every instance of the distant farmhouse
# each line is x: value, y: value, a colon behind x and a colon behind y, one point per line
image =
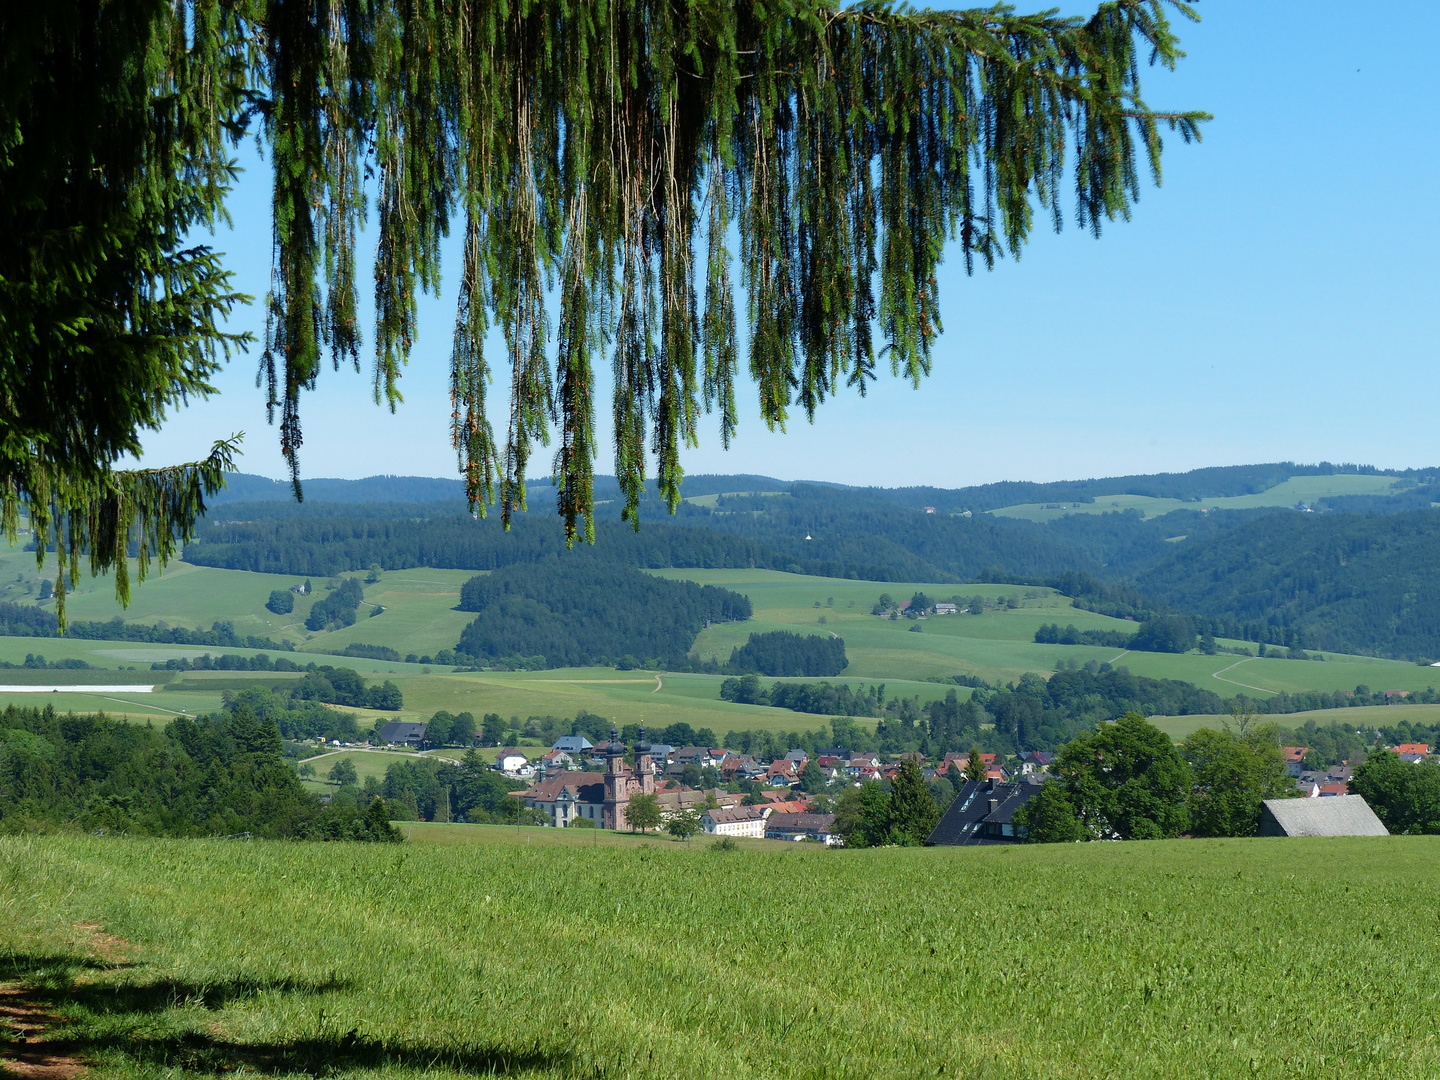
x: 402, y: 733
x: 1340, y: 815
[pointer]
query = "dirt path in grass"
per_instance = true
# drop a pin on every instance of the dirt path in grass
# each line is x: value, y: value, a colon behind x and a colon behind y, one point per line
x: 29, y: 1048
x: 659, y: 684
x: 1221, y: 676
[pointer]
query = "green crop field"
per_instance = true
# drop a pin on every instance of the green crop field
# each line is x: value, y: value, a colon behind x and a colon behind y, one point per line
x: 653, y: 959
x: 1298, y: 489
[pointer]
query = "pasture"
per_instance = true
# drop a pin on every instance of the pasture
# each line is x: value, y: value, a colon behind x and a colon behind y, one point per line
x: 1297, y: 489
x: 419, y: 617
x: 649, y: 958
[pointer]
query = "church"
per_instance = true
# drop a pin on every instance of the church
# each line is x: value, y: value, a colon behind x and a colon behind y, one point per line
x: 600, y: 797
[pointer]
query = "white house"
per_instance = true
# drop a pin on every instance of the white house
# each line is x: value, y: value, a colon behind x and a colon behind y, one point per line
x: 511, y: 761
x: 741, y: 821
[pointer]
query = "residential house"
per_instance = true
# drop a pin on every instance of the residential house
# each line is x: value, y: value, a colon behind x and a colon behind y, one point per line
x: 833, y: 762
x: 799, y: 757
x: 661, y: 753
x: 1294, y: 758
x: 1413, y: 753
x: 1342, y: 815
x: 402, y: 733
x: 510, y: 761
x: 692, y: 755
x: 945, y: 609
x: 782, y: 772
x: 789, y: 806
x: 558, y: 761
x: 1334, y: 788
x: 983, y: 812
x: 1340, y: 774
x: 801, y: 826
x: 739, y: 821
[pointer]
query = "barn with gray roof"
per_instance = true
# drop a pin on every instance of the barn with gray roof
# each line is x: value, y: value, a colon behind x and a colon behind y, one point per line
x: 1336, y: 815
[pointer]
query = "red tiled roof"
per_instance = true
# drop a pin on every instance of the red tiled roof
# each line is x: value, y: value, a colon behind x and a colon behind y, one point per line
x: 1294, y: 755
x: 1423, y: 749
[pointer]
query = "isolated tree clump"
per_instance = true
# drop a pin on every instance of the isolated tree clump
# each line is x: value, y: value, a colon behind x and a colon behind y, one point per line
x: 609, y: 150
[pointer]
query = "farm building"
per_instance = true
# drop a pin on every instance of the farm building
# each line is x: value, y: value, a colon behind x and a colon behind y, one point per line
x: 821, y: 827
x: 402, y: 733
x: 572, y: 744
x: 1339, y: 815
x: 983, y: 812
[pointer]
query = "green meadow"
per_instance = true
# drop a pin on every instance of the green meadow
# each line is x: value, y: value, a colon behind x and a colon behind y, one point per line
x: 513, y: 955
x: 419, y: 618
x: 1298, y: 489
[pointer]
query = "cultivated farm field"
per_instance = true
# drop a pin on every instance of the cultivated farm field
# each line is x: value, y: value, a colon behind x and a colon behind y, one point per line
x: 1182, y: 959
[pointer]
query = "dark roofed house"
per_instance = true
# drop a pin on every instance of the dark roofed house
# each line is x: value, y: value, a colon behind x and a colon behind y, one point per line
x: 983, y: 812
x: 1338, y: 815
x: 402, y: 733
x: 802, y: 826
x: 572, y: 744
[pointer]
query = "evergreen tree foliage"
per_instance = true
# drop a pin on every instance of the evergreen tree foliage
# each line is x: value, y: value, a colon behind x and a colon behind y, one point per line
x: 782, y: 653
x: 607, y: 148
x: 580, y: 610
x: 113, y: 122
x: 222, y: 775
x: 913, y: 811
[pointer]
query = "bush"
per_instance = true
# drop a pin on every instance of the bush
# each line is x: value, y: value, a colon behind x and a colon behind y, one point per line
x: 725, y: 843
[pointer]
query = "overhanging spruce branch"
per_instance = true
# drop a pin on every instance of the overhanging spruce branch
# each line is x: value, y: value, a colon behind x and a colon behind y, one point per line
x: 104, y: 516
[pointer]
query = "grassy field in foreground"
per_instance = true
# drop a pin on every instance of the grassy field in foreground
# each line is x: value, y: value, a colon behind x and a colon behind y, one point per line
x: 1268, y: 958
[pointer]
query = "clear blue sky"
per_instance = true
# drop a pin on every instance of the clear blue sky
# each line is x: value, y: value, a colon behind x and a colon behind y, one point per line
x: 1275, y: 299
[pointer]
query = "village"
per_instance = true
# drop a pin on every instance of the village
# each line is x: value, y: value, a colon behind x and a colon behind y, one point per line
x: 721, y: 792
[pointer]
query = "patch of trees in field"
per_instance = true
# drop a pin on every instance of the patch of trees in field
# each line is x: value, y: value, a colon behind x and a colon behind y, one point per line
x: 581, y: 610
x: 781, y: 653
x: 25, y: 620
x: 223, y: 775
x: 338, y: 608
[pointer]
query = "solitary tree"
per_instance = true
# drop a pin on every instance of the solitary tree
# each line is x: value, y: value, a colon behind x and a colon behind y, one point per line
x: 974, y: 765
x: 913, y: 810
x: 1049, y: 817
x: 643, y: 812
x: 1126, y: 780
x: 610, y: 149
x: 1234, y: 774
x: 343, y: 773
x: 683, y: 825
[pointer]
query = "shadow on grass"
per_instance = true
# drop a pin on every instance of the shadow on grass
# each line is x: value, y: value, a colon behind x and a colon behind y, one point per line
x: 47, y: 982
